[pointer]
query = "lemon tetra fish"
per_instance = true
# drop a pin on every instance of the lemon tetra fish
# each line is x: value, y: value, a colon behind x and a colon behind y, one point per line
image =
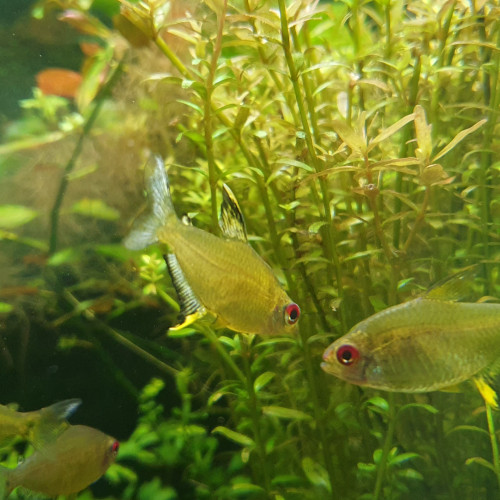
x: 67, y: 464
x: 223, y: 276
x: 429, y: 343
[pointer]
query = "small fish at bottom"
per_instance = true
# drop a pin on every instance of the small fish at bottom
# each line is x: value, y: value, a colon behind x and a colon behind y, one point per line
x: 75, y: 459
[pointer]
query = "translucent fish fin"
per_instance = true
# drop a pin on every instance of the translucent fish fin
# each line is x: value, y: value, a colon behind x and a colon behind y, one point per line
x: 452, y: 388
x: 456, y: 287
x: 52, y: 422
x: 231, y: 219
x: 191, y: 308
x: 487, y: 392
x: 160, y: 208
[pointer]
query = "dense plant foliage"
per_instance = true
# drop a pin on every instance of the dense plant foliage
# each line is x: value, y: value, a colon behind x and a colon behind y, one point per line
x: 361, y: 139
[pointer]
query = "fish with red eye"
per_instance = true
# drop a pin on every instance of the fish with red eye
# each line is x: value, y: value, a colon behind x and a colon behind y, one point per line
x: 67, y: 464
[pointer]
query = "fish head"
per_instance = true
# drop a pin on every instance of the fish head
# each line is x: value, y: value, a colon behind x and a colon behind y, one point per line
x: 110, y: 451
x: 283, y: 318
x: 349, y: 359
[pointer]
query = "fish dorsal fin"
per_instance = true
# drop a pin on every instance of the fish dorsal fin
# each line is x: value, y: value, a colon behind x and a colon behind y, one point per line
x: 159, y: 209
x: 191, y: 308
x: 52, y: 422
x: 231, y: 219
x: 454, y: 288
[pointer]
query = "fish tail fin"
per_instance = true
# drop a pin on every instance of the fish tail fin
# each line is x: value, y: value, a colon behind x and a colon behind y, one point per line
x: 51, y: 421
x: 160, y: 207
x: 486, y: 390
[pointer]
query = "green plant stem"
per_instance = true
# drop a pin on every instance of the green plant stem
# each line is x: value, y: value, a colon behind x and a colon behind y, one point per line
x: 494, y: 442
x: 255, y: 413
x: 382, y: 465
x: 330, y: 244
x: 403, y: 149
x: 486, y: 159
x: 335, y: 481
x: 212, y: 338
x: 118, y: 337
x: 63, y: 185
x: 437, y: 89
x: 167, y: 51
x: 208, y: 118
x: 418, y: 220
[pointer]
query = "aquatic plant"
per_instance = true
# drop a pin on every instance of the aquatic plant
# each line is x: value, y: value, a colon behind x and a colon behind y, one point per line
x: 361, y: 139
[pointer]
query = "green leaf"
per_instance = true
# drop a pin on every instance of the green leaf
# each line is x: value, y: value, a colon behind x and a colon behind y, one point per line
x: 316, y: 473
x: 15, y: 215
x: 234, y: 436
x: 480, y: 461
x: 422, y: 406
x: 262, y: 380
x: 471, y: 428
x: 95, y: 208
x: 423, y: 132
x: 403, y: 457
x: 459, y: 137
x: 295, y: 163
x: 352, y: 138
x: 66, y: 256
x: 5, y: 308
x: 286, y: 413
x: 386, y: 133
x: 243, y: 489
x: 379, y: 403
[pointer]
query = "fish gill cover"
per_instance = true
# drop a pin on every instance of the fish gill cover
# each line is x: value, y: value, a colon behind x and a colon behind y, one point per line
x: 361, y: 142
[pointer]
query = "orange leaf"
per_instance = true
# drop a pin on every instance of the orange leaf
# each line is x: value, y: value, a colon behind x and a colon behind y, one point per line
x: 61, y: 82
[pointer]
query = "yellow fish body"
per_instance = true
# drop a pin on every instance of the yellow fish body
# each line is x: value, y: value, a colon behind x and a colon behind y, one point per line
x: 75, y: 459
x: 27, y: 424
x: 422, y: 345
x: 223, y: 276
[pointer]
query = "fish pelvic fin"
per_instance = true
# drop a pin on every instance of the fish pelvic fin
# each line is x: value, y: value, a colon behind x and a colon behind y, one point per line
x: 52, y: 421
x: 191, y: 308
x: 487, y: 392
x: 231, y: 221
x: 160, y: 208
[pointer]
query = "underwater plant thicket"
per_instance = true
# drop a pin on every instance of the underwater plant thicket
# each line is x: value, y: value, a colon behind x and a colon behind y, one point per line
x: 362, y: 142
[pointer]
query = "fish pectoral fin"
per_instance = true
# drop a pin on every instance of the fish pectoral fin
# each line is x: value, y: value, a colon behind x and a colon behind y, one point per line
x: 231, y: 221
x: 191, y: 308
x: 487, y: 392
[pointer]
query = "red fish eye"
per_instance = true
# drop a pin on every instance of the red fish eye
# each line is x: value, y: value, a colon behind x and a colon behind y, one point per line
x: 292, y: 313
x: 114, y: 447
x: 347, y: 354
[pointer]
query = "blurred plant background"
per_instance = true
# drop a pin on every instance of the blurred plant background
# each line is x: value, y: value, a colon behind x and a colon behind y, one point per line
x: 361, y: 139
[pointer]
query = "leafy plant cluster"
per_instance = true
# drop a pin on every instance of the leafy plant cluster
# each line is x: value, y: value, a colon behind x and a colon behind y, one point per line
x: 361, y: 139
